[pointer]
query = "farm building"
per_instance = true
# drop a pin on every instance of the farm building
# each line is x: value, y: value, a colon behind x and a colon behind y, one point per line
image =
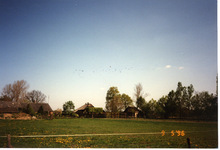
x: 133, y: 112
x: 13, y: 107
x: 82, y: 110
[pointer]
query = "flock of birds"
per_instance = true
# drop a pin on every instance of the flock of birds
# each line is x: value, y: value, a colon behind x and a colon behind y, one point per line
x: 104, y: 70
x: 109, y: 70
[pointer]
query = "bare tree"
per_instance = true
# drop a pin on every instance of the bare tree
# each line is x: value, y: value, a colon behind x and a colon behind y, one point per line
x: 36, y: 96
x: 16, y: 91
x: 138, y: 91
x: 8, y: 92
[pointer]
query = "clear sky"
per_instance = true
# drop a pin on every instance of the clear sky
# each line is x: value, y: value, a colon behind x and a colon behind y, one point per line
x: 77, y: 49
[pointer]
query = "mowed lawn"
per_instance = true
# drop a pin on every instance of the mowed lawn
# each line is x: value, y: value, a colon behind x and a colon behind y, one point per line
x: 201, y: 135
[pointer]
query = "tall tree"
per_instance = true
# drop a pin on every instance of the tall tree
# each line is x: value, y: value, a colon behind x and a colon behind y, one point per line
x: 146, y: 110
x: 198, y: 103
x: 36, y: 96
x: 160, y: 107
x: 138, y: 91
x: 140, y: 102
x: 152, y: 106
x: 16, y: 91
x: 126, y: 101
x: 113, y: 100
x: 212, y: 106
x: 190, y: 90
x: 180, y: 97
x: 189, y: 93
x: 170, y: 105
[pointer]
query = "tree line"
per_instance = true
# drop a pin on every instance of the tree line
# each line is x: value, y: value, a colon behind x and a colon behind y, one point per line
x: 184, y: 102
x: 18, y: 92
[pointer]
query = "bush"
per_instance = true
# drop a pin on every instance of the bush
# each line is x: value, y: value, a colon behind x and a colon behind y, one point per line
x: 38, y: 115
x: 30, y: 110
x: 41, y: 110
x: 57, y: 113
x: 70, y: 114
x: 75, y: 115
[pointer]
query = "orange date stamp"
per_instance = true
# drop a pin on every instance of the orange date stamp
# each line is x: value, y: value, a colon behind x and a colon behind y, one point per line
x: 178, y: 132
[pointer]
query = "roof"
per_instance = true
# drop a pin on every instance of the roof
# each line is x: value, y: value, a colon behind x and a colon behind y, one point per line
x: 83, y: 107
x: 36, y: 106
x: 12, y: 107
x: 129, y: 109
x: 9, y: 106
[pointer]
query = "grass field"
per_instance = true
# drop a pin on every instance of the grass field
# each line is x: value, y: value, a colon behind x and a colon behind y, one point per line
x: 107, y: 133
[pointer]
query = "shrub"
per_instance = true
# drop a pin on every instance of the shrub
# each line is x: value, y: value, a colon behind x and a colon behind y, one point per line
x: 41, y: 110
x: 57, y: 113
x: 38, y: 115
x: 30, y: 110
x: 70, y: 114
x: 75, y: 115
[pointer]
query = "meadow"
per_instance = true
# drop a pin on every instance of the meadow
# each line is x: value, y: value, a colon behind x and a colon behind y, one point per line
x: 107, y: 133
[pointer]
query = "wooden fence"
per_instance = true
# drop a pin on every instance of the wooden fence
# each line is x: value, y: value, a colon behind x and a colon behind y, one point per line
x: 109, y: 115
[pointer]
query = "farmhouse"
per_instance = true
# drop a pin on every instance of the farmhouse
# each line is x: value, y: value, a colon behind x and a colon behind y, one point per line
x: 14, y: 107
x: 82, y: 110
x: 133, y: 112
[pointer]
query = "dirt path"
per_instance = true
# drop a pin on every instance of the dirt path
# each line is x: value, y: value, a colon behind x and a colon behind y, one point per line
x: 107, y: 134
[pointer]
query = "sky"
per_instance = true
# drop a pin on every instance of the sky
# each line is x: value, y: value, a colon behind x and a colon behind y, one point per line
x: 77, y: 49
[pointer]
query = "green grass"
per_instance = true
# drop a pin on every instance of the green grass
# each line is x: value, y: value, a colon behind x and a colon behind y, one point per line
x: 202, y: 135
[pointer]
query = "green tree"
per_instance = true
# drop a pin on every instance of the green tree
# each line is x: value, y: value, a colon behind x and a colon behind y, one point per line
x: 140, y: 102
x: 30, y: 110
x: 126, y: 101
x: 68, y: 106
x: 212, y: 106
x: 189, y: 93
x: 160, y: 107
x: 170, y: 106
x: 204, y: 105
x: 146, y: 110
x: 180, y: 96
x: 198, y: 105
x: 113, y: 100
x: 152, y: 106
x: 41, y: 110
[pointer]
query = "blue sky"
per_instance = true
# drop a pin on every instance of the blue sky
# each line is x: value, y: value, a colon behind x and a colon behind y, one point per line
x: 77, y: 49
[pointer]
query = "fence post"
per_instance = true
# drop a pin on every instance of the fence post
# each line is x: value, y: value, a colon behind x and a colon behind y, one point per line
x: 9, y: 141
x: 188, y: 141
